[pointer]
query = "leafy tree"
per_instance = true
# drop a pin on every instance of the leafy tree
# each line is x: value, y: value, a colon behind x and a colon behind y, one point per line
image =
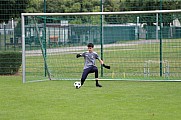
x: 34, y: 6
x: 146, y: 5
x: 11, y: 9
x: 63, y: 6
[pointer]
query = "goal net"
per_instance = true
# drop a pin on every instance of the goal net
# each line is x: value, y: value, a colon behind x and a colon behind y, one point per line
x: 124, y: 40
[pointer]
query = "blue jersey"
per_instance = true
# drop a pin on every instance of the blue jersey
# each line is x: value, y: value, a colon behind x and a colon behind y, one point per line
x: 89, y: 59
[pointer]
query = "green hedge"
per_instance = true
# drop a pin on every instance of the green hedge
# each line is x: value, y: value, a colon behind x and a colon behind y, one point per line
x: 10, y: 62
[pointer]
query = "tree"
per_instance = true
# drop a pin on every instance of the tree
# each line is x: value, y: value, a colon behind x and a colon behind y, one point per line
x: 34, y: 6
x: 11, y: 9
x: 69, y: 6
x: 147, y: 5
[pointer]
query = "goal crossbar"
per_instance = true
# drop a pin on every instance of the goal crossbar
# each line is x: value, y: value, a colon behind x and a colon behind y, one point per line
x: 102, y: 13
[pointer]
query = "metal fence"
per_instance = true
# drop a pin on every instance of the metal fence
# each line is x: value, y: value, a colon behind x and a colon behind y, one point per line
x: 137, y: 46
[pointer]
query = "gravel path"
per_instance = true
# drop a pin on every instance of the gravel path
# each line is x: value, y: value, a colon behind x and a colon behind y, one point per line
x: 76, y: 49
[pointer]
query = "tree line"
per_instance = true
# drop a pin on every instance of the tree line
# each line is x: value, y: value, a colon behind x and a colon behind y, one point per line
x: 13, y: 8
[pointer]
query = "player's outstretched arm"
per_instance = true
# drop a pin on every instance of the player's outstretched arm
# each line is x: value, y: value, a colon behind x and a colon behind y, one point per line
x: 102, y: 63
x: 78, y: 55
x: 106, y: 66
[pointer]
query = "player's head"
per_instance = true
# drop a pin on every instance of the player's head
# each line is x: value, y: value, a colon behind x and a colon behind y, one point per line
x: 90, y: 47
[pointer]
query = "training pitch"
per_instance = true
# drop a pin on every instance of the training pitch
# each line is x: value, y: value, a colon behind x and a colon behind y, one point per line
x: 116, y: 100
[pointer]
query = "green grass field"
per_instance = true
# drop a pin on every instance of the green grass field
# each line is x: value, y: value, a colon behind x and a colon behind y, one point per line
x: 116, y: 100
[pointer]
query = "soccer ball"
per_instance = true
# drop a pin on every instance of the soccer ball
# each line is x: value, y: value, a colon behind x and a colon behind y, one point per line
x: 77, y: 85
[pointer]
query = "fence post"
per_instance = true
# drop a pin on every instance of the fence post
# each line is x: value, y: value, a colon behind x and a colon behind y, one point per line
x: 160, y: 39
x: 102, y: 35
x: 4, y: 35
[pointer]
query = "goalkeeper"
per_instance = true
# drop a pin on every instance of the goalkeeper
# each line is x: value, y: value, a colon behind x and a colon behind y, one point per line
x: 89, y: 65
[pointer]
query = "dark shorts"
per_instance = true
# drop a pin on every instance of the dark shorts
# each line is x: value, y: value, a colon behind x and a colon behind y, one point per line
x: 92, y: 69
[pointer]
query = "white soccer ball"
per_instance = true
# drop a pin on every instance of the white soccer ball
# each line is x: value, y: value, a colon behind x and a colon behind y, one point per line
x: 77, y: 85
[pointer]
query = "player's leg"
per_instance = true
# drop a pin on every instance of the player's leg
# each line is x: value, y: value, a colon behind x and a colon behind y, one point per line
x: 84, y: 75
x: 94, y: 69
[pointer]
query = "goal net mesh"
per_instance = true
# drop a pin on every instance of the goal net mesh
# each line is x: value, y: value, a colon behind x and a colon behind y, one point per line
x: 123, y: 41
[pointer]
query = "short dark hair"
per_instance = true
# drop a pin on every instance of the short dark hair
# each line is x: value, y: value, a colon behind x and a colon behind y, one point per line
x: 90, y: 45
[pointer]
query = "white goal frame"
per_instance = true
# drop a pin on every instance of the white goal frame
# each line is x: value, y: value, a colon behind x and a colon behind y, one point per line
x: 86, y: 13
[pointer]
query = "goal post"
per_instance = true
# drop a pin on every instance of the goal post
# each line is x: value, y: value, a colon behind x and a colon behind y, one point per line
x: 125, y: 40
